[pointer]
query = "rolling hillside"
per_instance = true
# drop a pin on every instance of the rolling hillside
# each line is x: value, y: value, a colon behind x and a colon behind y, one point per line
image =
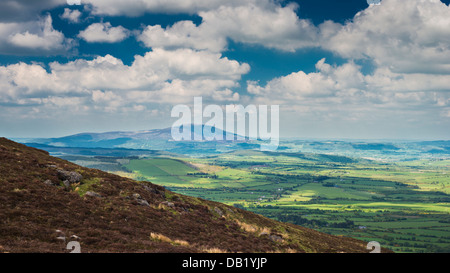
x: 40, y: 194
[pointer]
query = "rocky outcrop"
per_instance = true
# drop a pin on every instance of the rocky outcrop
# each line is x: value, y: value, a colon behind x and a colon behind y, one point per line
x: 138, y: 198
x: 70, y: 177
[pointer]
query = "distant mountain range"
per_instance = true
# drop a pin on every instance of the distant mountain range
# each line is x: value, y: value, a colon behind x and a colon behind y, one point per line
x: 117, y: 139
x: 151, y: 141
x: 156, y: 139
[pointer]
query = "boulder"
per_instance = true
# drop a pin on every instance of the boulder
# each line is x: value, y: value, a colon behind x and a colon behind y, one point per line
x: 168, y: 204
x: 276, y: 238
x: 143, y: 202
x: 72, y: 177
x: 93, y: 194
x: 138, y: 198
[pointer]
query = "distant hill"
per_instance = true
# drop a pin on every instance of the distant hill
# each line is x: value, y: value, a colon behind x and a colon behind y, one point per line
x: 120, y: 139
x: 40, y: 194
x: 157, y: 139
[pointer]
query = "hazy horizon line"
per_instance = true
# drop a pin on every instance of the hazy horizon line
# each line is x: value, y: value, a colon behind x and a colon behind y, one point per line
x: 321, y: 138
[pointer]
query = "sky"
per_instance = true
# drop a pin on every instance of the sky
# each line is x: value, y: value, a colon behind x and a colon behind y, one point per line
x: 338, y: 69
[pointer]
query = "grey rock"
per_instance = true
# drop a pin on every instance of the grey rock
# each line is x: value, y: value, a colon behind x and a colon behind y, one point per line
x: 72, y: 177
x: 137, y: 196
x: 218, y: 211
x: 93, y: 194
x: 66, y: 183
x: 276, y: 238
x: 152, y: 190
x: 168, y: 204
x: 143, y: 202
x: 49, y: 183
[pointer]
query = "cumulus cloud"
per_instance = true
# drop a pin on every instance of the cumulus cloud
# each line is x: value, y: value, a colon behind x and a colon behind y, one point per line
x: 104, y: 33
x: 415, y: 40
x: 271, y: 26
x: 346, y: 86
x: 33, y: 38
x: 47, y: 38
x: 327, y: 82
x: 184, y: 34
x: 72, y: 16
x: 158, y: 77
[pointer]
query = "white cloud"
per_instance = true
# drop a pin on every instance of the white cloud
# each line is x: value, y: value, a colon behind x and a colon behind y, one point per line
x: 415, y: 40
x: 271, y: 26
x: 104, y: 33
x: 268, y: 25
x: 411, y: 37
x: 72, y: 16
x: 33, y: 38
x: 158, y: 77
x: 327, y: 82
x: 184, y: 34
x: 46, y: 39
x: 333, y: 87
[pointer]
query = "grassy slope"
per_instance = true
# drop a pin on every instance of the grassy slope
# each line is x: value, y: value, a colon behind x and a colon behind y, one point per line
x: 31, y: 211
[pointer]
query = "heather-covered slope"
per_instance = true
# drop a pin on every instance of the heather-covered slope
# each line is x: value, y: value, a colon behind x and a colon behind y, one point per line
x: 40, y: 194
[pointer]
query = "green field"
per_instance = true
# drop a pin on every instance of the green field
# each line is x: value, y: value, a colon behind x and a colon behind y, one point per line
x: 162, y: 171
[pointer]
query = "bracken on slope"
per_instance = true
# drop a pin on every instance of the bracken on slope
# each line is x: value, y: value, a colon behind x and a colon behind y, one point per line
x: 40, y: 194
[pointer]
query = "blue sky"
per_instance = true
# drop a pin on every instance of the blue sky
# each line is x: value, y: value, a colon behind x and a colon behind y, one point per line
x: 338, y: 69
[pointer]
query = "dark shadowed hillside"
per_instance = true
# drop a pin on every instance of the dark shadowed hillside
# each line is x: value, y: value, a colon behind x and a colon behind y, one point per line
x: 40, y: 194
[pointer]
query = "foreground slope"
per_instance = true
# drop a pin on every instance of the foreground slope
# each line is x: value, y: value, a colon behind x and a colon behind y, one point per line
x: 40, y: 194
